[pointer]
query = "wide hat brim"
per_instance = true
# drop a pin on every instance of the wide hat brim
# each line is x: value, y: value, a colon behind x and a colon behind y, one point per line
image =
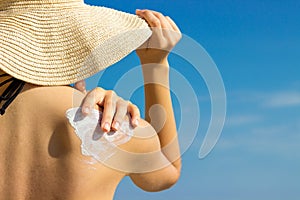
x: 59, y: 45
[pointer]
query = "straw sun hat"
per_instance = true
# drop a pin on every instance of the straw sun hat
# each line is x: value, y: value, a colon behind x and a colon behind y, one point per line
x: 58, y: 42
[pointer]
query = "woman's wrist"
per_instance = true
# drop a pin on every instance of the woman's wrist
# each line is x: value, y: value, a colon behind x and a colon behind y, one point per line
x: 154, y: 60
x: 156, y: 73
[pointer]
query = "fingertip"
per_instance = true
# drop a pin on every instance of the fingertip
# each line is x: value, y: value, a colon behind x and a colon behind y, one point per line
x: 116, y: 125
x: 139, y: 12
x: 106, y: 127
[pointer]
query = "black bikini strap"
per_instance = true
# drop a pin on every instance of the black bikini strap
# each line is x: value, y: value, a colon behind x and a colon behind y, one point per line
x: 11, y: 91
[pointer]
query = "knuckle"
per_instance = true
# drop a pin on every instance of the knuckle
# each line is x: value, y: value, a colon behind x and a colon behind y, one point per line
x: 147, y: 12
x: 136, y: 112
x: 128, y: 102
x: 160, y: 15
x: 113, y: 95
x: 156, y: 22
x: 135, y: 108
x: 110, y: 92
x: 119, y: 99
x: 99, y: 89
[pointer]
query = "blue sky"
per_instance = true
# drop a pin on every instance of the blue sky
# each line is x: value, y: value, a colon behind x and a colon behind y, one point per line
x: 256, y: 46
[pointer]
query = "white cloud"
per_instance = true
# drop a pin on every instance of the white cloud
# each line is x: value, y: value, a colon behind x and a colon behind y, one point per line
x: 276, y: 140
x: 255, y: 125
x: 283, y: 99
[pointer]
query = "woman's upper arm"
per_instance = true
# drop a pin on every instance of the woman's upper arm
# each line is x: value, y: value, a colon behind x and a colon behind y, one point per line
x: 150, y: 169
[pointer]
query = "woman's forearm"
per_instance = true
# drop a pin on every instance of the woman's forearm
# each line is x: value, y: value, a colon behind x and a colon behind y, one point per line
x: 159, y: 110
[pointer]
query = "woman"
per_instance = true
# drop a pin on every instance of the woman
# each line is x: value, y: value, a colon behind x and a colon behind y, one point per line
x: 41, y: 155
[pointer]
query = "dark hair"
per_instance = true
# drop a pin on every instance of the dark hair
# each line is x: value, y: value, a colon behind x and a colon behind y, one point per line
x: 11, y: 92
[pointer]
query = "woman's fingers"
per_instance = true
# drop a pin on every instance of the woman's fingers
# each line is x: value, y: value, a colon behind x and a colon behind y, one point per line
x: 167, y: 29
x: 157, y: 19
x: 121, y: 112
x: 165, y: 34
x: 134, y: 112
x: 92, y: 99
x: 122, y: 109
x: 152, y: 20
x: 115, y: 109
x: 100, y: 97
x: 108, y: 110
x: 173, y: 24
x: 163, y: 21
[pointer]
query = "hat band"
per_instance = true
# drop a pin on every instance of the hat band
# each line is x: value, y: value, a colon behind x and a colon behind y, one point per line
x: 22, y: 4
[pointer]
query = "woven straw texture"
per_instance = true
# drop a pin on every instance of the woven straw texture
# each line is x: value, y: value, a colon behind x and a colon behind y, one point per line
x: 58, y: 42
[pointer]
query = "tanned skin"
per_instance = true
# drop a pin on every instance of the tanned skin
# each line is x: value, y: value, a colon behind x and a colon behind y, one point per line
x: 40, y: 154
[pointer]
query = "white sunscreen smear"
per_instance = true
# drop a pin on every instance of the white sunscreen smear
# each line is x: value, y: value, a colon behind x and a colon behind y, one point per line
x: 94, y: 142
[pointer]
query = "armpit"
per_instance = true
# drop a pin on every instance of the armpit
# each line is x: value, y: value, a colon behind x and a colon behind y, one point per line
x: 94, y: 142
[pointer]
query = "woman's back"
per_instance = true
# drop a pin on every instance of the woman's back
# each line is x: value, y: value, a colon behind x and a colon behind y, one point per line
x: 40, y: 155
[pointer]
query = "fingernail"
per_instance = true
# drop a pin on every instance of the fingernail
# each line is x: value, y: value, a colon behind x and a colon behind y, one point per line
x: 116, y: 125
x: 106, y: 126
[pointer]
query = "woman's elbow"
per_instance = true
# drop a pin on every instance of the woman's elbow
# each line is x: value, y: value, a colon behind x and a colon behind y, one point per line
x: 171, y: 182
x: 163, y: 185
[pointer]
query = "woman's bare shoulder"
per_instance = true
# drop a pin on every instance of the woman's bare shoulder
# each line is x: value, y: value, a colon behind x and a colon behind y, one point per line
x: 51, y: 101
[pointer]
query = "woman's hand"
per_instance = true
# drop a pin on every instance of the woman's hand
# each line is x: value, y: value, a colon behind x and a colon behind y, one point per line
x: 114, y: 107
x: 165, y: 36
